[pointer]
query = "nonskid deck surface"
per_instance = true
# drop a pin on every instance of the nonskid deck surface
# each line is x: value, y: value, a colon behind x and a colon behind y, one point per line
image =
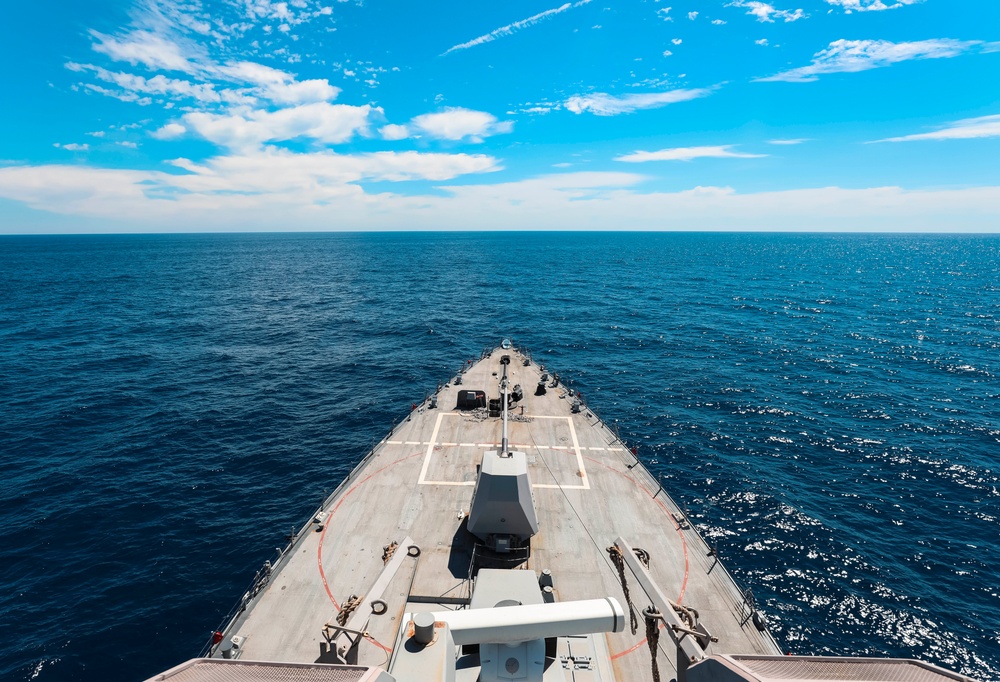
x: 418, y: 483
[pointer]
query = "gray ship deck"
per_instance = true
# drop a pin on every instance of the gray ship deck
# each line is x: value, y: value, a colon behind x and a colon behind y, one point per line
x: 588, y: 490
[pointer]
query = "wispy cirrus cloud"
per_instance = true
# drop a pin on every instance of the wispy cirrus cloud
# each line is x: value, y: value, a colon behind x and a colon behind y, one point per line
x: 292, y: 13
x: 514, y: 27
x: 966, y: 129
x: 239, y: 82
x: 870, y: 5
x: 152, y: 50
x: 850, y: 56
x: 186, y: 40
x: 603, y: 104
x: 766, y: 12
x: 178, y: 35
x: 157, y: 85
x: 223, y: 22
x: 687, y: 154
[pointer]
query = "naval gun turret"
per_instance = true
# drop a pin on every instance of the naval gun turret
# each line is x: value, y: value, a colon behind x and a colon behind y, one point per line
x: 503, y: 511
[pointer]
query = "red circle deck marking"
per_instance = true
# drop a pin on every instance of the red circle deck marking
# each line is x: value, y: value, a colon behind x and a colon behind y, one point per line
x: 634, y: 647
x: 677, y: 527
x: 326, y: 525
x: 322, y: 536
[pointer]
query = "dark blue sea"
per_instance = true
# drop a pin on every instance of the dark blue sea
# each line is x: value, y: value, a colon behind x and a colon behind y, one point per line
x: 827, y: 407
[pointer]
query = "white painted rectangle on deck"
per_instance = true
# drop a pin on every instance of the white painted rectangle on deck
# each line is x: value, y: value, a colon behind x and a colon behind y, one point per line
x: 576, y: 449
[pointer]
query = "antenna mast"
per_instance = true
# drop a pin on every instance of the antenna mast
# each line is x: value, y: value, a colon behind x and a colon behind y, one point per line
x: 504, y: 388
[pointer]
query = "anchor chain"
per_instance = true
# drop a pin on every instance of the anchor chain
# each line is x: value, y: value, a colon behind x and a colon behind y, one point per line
x: 619, y: 561
x: 348, y: 608
x: 653, y: 638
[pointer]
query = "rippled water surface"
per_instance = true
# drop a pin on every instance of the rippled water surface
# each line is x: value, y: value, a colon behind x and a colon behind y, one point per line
x: 825, y: 406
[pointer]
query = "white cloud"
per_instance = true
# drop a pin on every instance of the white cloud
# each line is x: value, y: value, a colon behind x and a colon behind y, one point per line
x: 797, y: 140
x: 196, y: 27
x: 79, y: 190
x: 966, y: 129
x: 692, y: 15
x: 665, y: 13
x: 266, y: 9
x: 171, y: 35
x: 676, y: 41
x: 264, y: 187
x: 765, y: 12
x: 870, y: 5
x: 301, y: 92
x: 534, y: 108
x: 319, y: 121
x: 603, y: 104
x: 73, y: 146
x: 290, y: 13
x: 147, y: 48
x: 310, y: 192
x: 456, y: 123
x: 258, y: 81
x: 282, y: 173
x: 122, y: 95
x: 394, y: 132
x: 509, y: 29
x: 687, y: 154
x: 762, y: 42
x: 278, y: 86
x: 400, y: 166
x: 666, y: 53
x: 165, y: 16
x: 157, y: 85
x: 169, y: 131
x: 849, y: 56
x: 718, y: 22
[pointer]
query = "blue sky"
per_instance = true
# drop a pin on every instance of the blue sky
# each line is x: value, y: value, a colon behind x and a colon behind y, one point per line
x: 164, y: 115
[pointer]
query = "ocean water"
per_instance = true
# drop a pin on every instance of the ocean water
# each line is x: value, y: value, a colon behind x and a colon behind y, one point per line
x: 825, y: 406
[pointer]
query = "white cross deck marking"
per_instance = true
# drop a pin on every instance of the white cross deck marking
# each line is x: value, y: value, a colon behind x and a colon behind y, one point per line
x: 523, y: 446
x: 432, y: 443
x: 430, y: 448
